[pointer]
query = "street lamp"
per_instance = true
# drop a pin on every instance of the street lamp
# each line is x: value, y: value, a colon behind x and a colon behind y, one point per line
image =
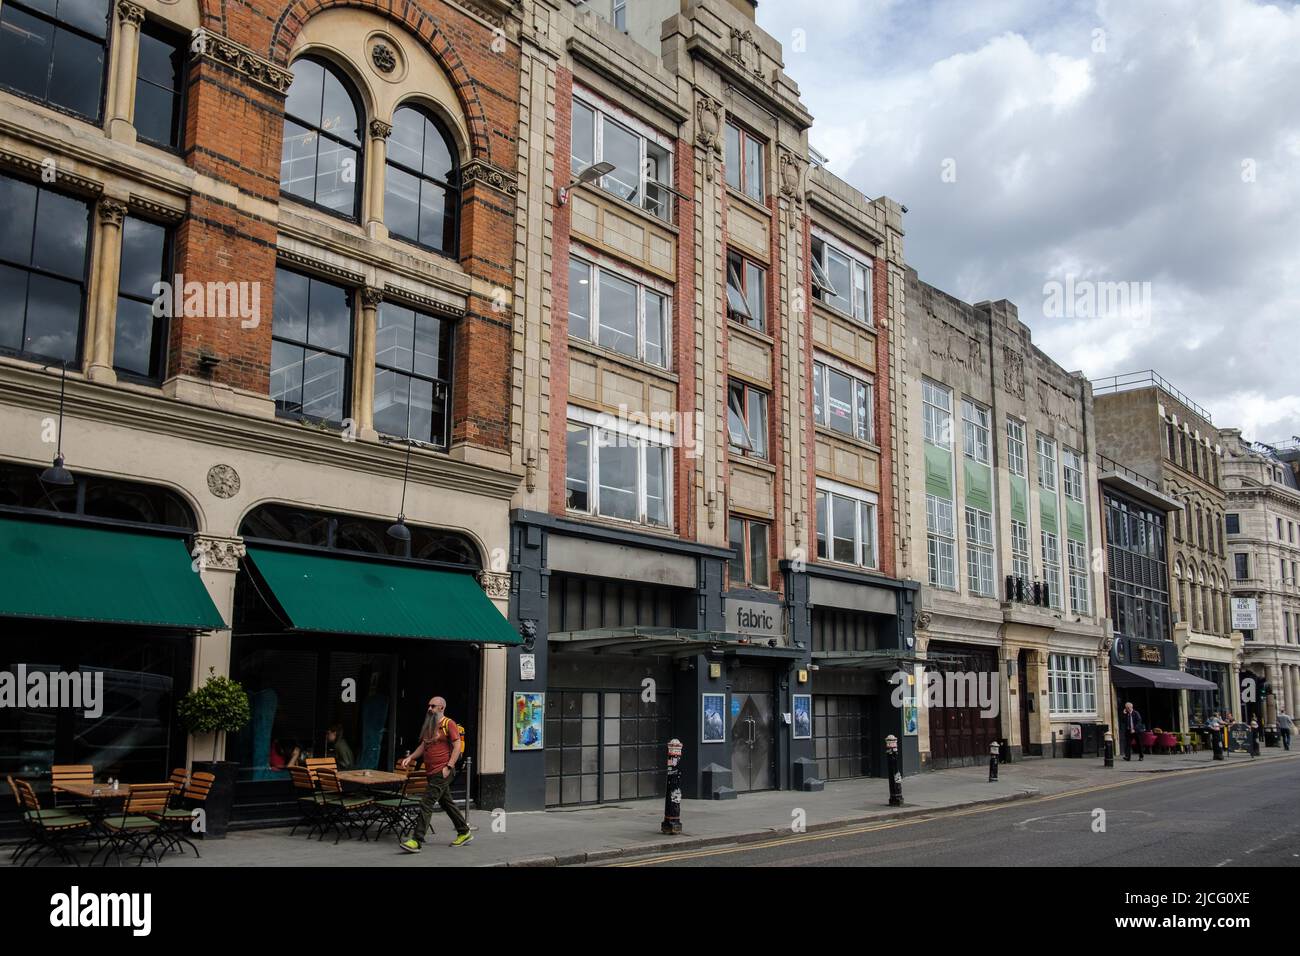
x: 56, y: 474
x: 398, y: 531
x: 588, y: 175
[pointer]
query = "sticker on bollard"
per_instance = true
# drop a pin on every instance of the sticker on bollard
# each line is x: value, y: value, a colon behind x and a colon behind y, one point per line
x: 673, y: 793
x: 993, y: 761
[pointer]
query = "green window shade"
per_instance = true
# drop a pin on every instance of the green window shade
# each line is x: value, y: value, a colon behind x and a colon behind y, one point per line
x: 1019, y: 499
x: 979, y: 486
x: 1076, y: 523
x: 1047, y: 508
x: 938, y: 471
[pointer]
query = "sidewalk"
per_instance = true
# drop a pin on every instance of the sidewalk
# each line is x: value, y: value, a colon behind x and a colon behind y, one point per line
x: 590, y: 834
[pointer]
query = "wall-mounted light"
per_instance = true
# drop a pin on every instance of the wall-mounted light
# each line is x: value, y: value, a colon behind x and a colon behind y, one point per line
x: 56, y: 474
x: 589, y: 175
x: 398, y: 531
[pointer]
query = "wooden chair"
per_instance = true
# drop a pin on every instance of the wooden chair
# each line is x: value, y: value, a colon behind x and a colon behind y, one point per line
x: 50, y: 829
x: 398, y: 813
x: 71, y: 773
x: 316, y: 763
x: 31, y: 843
x: 177, y: 780
x: 139, y: 826
x: 310, y: 804
x: 177, y: 820
x: 341, y: 809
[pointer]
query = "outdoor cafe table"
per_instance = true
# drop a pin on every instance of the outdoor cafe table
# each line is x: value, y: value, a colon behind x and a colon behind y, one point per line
x: 371, y: 778
x: 99, y: 793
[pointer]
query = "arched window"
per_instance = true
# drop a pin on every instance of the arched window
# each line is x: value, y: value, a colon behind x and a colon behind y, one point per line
x: 422, y: 182
x: 321, y: 159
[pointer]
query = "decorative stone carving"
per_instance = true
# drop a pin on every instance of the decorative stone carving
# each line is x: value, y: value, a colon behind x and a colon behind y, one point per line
x: 1106, y: 644
x: 957, y: 348
x: 922, y: 620
x: 380, y: 130
x: 130, y: 13
x: 371, y: 297
x: 495, y: 584
x: 745, y: 51
x: 218, y: 554
x: 481, y: 171
x: 383, y: 57
x: 708, y: 123
x: 1013, y: 371
x: 242, y: 60
x: 223, y: 481
x: 792, y: 172
x: 111, y: 211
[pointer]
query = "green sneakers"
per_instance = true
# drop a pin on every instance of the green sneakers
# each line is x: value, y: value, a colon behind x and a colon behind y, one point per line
x: 462, y: 839
x: 410, y: 846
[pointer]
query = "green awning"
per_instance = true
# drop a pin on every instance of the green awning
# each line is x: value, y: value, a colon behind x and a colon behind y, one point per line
x: 341, y: 595
x: 57, y: 571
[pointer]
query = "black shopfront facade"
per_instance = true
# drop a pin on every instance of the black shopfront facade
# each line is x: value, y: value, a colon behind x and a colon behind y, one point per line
x: 633, y: 639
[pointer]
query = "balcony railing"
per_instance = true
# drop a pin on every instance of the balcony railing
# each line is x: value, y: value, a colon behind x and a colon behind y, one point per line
x: 1023, y: 591
x: 1108, y: 464
x: 1132, y: 380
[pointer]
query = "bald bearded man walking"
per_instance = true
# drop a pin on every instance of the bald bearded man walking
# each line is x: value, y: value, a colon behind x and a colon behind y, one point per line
x: 441, y: 747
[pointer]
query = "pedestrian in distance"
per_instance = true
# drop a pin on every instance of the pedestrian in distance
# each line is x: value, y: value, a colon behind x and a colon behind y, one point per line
x: 1285, y: 725
x: 1132, y: 728
x: 441, y: 748
x: 1215, y: 726
x: 1254, y: 737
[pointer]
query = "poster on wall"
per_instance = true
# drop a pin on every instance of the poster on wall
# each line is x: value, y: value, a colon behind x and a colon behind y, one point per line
x: 527, y: 724
x: 911, y: 717
x: 803, y: 716
x: 715, y: 731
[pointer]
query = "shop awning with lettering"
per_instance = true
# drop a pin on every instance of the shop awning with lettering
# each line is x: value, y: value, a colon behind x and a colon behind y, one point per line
x: 53, y: 570
x: 1128, y: 675
x: 338, y: 595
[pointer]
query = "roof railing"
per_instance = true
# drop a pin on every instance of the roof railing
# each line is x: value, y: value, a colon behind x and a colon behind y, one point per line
x: 1149, y: 377
x: 1108, y: 464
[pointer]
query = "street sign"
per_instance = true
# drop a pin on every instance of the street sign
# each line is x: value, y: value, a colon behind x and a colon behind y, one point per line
x: 1245, y: 614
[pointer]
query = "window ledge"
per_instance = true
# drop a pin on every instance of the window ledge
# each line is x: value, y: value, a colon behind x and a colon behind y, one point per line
x: 760, y: 464
x: 667, y: 225
x: 829, y: 432
x: 746, y: 331
x: 833, y: 312
x: 734, y: 194
x: 599, y: 351
x: 589, y: 518
x: 870, y: 569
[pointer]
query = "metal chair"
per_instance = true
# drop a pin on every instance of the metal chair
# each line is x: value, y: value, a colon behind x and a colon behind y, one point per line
x: 50, y: 829
x: 176, y: 820
x: 139, y: 827
x: 310, y: 804
x: 342, y: 809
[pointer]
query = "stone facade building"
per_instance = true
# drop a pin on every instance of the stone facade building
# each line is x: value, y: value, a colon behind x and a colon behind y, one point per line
x: 999, y: 520
x: 702, y: 406
x: 1263, y: 529
x: 1160, y: 433
x: 263, y: 241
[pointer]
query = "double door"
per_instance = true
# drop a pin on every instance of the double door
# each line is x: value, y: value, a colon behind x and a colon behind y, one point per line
x: 753, y: 730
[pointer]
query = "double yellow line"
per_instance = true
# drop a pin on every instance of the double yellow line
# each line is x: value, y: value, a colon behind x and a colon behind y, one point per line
x: 911, y: 821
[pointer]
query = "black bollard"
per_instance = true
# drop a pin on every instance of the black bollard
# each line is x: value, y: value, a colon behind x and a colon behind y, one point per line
x: 1110, y: 750
x: 993, y: 761
x: 895, y: 776
x: 672, y: 824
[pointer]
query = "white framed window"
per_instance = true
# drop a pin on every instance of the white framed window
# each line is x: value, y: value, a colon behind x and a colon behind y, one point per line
x: 1077, y: 557
x: 846, y: 525
x: 975, y: 428
x: 842, y: 279
x: 1046, y: 463
x: 843, y: 402
x: 642, y: 171
x: 1073, y: 681
x: 1072, y: 474
x: 617, y: 313
x: 1020, y: 561
x: 1016, y: 450
x: 746, y: 291
x: 618, y: 15
x: 745, y: 161
x: 747, y: 419
x: 941, y: 547
x: 979, y: 552
x: 936, y: 413
x: 1052, y: 567
x: 749, y: 564
x: 618, y: 471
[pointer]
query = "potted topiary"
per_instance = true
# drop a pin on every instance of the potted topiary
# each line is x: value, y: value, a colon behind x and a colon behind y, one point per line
x: 219, y: 706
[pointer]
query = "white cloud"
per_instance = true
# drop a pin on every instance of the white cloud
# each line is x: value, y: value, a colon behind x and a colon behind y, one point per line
x: 1131, y: 164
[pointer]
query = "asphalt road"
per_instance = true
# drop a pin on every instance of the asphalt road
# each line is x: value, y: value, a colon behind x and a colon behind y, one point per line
x: 1243, y: 816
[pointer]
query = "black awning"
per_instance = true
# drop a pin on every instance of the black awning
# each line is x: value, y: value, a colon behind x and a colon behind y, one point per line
x: 1162, y: 677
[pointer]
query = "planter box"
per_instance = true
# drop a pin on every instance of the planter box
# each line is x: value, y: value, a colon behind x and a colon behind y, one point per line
x: 217, y: 807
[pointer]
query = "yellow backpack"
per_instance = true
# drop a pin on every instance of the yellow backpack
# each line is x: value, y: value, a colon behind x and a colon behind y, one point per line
x: 443, y: 725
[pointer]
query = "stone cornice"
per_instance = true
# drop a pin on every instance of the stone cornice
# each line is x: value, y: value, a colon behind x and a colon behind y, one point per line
x: 735, y: 73
x: 320, y: 267
x: 398, y: 294
x: 825, y: 205
x: 32, y: 388
x: 619, y: 72
x: 482, y: 171
x: 235, y: 56
x: 77, y: 184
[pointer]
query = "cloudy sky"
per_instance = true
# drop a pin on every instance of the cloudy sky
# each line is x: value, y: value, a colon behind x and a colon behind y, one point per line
x: 1085, y: 141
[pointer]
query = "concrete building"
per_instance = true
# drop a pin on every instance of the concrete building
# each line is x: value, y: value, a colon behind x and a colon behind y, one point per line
x: 263, y: 243
x: 1160, y: 433
x: 704, y: 544
x: 1263, y: 528
x: 999, y: 519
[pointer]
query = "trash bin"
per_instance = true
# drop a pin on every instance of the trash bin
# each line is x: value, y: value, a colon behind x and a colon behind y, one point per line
x: 1074, y: 740
x: 1271, y: 737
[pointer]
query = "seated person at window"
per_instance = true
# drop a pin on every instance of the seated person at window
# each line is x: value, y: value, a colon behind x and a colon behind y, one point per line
x: 343, y: 755
x: 284, y: 753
